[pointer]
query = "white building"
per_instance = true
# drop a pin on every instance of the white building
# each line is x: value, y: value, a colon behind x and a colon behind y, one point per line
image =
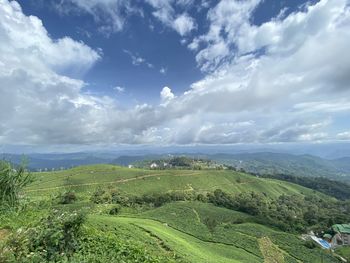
x: 153, y: 166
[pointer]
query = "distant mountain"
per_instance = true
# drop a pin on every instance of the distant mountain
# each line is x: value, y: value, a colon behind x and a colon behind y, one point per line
x: 256, y: 163
x: 281, y: 163
x: 37, y: 162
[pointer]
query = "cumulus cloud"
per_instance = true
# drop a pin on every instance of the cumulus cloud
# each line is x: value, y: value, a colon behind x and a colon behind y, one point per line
x: 166, y: 95
x: 283, y: 81
x: 184, y: 24
x: 165, y: 13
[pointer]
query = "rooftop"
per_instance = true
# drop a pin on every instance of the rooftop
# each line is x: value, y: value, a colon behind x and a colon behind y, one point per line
x: 342, y: 228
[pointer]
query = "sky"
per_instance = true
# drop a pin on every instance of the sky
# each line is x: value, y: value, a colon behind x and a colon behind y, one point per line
x: 88, y: 73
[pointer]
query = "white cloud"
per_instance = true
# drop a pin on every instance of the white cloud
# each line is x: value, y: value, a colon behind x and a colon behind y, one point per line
x: 343, y: 135
x: 226, y: 19
x: 166, y: 14
x: 119, y: 89
x: 166, y: 95
x: 109, y: 14
x: 163, y: 70
x: 136, y: 60
x: 184, y: 24
x: 287, y: 83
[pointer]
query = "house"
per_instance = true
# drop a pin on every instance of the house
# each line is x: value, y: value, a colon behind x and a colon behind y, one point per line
x: 342, y: 235
x: 130, y: 166
x: 153, y: 166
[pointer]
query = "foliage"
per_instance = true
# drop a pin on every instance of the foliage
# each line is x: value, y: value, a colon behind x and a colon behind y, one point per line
x: 101, y: 196
x: 211, y: 223
x: 115, y: 210
x: 327, y: 186
x: 288, y: 213
x: 68, y: 197
x: 12, y: 182
x: 344, y: 252
x: 55, y: 236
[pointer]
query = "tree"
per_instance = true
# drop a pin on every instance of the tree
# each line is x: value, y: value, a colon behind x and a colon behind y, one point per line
x: 12, y: 182
x: 211, y: 223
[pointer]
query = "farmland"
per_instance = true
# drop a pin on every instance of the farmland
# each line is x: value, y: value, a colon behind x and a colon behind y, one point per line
x: 174, y: 231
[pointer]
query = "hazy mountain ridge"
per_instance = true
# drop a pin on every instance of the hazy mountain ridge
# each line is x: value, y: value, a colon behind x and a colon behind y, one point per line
x: 256, y: 163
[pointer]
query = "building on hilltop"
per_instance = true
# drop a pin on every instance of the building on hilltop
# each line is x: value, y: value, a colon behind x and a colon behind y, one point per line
x: 154, y: 166
x: 341, y: 236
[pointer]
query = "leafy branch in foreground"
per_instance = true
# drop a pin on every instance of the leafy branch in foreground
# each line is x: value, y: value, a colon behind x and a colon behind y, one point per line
x: 12, y: 182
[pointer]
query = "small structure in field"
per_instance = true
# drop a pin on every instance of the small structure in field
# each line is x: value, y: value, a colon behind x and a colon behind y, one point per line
x: 341, y: 236
x: 153, y: 166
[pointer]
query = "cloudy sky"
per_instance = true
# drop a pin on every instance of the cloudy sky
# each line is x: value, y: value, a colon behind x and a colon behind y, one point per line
x: 174, y: 72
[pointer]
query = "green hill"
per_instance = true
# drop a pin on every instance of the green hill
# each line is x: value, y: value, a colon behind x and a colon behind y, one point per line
x: 180, y: 228
x: 282, y: 163
x: 118, y: 229
x: 138, y: 182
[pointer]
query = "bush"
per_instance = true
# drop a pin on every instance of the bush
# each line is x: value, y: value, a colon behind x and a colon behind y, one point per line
x: 55, y: 237
x: 101, y: 196
x: 12, y: 181
x: 211, y: 223
x: 310, y: 244
x: 67, y: 198
x: 115, y: 210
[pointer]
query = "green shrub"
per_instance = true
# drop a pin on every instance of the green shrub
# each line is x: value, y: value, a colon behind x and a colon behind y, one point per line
x: 67, y: 198
x: 310, y: 244
x: 211, y: 223
x: 115, y: 210
x: 55, y: 237
x: 12, y: 181
x: 101, y: 196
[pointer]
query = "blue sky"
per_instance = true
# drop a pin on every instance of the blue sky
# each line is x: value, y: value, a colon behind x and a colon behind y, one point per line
x: 145, y: 37
x: 174, y: 72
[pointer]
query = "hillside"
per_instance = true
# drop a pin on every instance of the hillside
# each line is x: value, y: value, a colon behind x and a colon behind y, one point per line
x: 277, y: 163
x: 257, y: 163
x: 135, y: 215
x: 132, y: 181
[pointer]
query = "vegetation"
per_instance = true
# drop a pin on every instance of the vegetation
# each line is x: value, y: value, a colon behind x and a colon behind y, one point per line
x: 327, y: 186
x: 289, y: 213
x: 133, y: 215
x: 12, y: 182
x: 344, y: 252
x: 68, y: 197
x: 55, y: 237
x: 279, y: 163
x: 179, y: 162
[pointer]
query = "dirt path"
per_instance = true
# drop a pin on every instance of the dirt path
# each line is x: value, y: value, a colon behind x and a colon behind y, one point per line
x: 90, y: 184
x: 4, y: 233
x: 197, y: 215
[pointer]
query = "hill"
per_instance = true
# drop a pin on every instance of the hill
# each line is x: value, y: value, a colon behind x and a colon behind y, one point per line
x: 257, y: 163
x: 136, y: 215
x: 279, y: 163
x: 131, y: 181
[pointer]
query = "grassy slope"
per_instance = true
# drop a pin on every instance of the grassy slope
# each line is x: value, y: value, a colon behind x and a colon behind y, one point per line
x: 179, y: 227
x: 344, y: 252
x: 189, y: 217
x: 138, y: 182
x: 185, y: 245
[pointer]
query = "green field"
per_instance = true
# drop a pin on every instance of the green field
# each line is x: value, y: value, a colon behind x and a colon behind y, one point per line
x: 176, y: 231
x: 136, y: 181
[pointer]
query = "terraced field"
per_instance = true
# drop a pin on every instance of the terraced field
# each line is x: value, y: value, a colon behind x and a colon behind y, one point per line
x: 179, y: 227
x: 183, y: 231
x: 136, y: 181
